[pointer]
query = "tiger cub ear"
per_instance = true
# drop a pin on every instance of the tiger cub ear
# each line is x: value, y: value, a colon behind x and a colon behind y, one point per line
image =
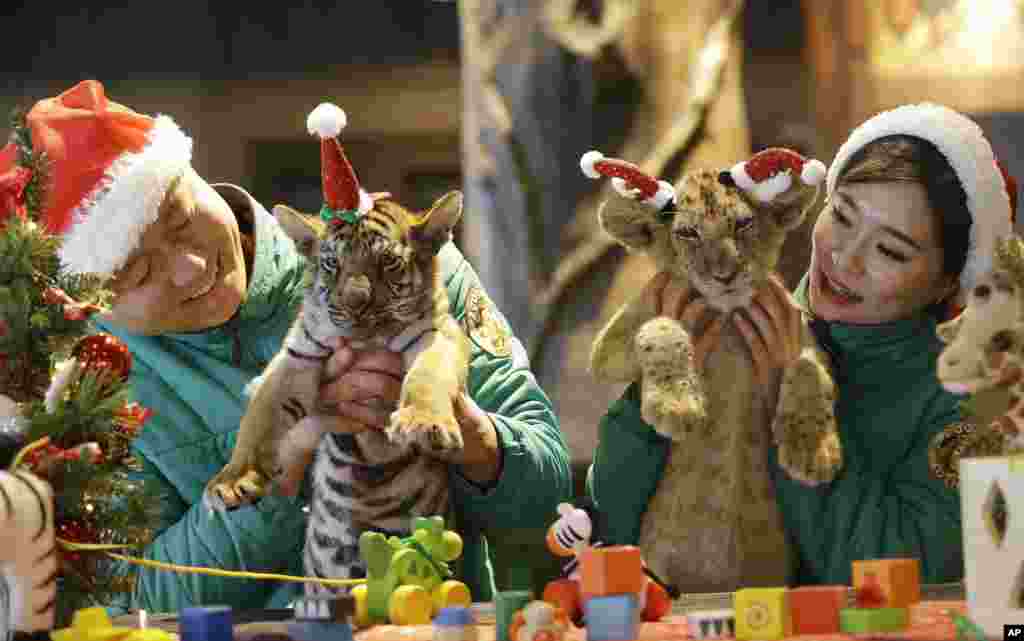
x: 434, y: 227
x: 303, y: 229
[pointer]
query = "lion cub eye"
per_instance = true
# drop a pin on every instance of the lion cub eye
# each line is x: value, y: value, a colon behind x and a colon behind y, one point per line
x: 686, y: 233
x: 982, y: 292
x: 744, y: 223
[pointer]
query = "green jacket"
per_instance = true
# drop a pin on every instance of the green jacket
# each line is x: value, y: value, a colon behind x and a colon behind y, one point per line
x: 194, y: 383
x: 885, y: 501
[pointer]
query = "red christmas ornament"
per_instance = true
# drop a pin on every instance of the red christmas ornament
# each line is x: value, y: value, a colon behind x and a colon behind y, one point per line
x: 12, y: 192
x: 131, y: 418
x: 104, y: 352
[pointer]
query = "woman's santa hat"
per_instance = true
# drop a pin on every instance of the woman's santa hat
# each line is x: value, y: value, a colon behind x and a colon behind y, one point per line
x: 108, y: 169
x: 344, y: 199
x: 991, y: 192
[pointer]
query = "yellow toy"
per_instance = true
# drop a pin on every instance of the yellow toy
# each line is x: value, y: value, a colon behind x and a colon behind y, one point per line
x: 93, y: 624
x: 408, y: 580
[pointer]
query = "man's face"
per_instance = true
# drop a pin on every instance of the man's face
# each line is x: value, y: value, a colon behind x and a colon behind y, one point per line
x: 188, y: 273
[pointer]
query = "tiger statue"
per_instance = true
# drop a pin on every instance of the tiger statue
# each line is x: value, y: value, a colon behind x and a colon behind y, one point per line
x: 28, y: 555
x: 373, y: 280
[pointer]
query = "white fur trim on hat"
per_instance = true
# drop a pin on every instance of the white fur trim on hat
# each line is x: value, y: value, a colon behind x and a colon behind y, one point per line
x: 108, y: 225
x: 766, y: 190
x: 964, y: 145
x: 587, y: 162
x: 665, y: 194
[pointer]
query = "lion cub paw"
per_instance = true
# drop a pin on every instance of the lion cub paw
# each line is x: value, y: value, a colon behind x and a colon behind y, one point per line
x: 431, y: 430
x: 236, y: 485
x: 673, y: 416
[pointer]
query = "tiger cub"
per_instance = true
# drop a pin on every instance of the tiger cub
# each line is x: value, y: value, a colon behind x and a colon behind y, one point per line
x: 373, y: 280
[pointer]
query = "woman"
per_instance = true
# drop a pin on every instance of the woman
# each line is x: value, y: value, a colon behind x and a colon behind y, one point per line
x: 914, y: 202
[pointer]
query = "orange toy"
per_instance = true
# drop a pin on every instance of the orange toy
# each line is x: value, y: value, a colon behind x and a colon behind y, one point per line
x: 815, y: 609
x: 611, y: 570
x: 887, y: 583
x: 597, y: 571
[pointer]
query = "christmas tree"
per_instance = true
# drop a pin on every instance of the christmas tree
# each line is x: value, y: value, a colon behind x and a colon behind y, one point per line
x: 63, y: 394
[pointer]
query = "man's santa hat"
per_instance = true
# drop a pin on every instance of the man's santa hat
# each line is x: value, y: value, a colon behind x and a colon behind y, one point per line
x: 108, y: 169
x: 991, y: 192
x: 344, y: 199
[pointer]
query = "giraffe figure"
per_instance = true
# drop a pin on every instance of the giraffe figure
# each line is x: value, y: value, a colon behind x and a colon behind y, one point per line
x: 985, y: 347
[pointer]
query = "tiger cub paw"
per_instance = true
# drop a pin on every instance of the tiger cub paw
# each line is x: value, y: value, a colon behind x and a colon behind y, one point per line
x: 236, y: 485
x: 433, y: 431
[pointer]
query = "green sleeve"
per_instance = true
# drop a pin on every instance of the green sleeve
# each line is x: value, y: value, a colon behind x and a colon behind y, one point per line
x: 627, y: 466
x: 907, y: 513
x: 266, y: 537
x: 535, y: 473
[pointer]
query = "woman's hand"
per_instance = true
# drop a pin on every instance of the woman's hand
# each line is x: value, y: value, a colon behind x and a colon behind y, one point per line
x: 669, y: 298
x: 771, y: 325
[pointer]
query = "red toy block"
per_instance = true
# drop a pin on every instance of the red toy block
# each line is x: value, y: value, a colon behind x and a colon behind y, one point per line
x: 610, y: 571
x: 887, y: 583
x: 815, y: 609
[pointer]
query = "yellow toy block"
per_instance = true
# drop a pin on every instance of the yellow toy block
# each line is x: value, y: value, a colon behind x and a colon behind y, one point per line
x: 762, y: 614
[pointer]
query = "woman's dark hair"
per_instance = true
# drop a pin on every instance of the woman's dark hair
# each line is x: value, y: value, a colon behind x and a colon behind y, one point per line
x: 912, y: 159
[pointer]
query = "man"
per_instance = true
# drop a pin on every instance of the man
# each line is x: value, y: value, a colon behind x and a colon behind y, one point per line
x: 206, y: 286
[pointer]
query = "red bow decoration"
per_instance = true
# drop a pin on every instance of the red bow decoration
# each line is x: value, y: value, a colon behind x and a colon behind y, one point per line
x: 12, y: 192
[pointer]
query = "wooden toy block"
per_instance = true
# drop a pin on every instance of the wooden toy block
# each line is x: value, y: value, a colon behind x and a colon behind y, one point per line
x: 506, y: 604
x: 815, y: 609
x: 205, y: 624
x: 614, y: 617
x: 712, y: 624
x: 992, y: 505
x: 862, y: 620
x: 611, y: 570
x: 762, y: 614
x: 887, y: 583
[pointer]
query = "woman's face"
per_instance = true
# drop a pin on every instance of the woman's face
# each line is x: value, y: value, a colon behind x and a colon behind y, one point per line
x: 876, y: 255
x: 188, y: 273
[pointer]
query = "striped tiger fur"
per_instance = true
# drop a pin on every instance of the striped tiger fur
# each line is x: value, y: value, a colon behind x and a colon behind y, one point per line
x: 376, y: 283
x: 28, y: 555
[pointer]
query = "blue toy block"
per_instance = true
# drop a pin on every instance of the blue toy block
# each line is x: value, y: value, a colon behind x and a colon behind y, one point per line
x: 319, y: 631
x: 612, y: 618
x: 455, y: 615
x: 205, y: 624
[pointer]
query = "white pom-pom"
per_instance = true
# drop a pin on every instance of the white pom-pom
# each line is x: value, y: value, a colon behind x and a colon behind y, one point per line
x: 663, y: 196
x: 741, y: 177
x: 326, y: 121
x: 813, y: 172
x: 587, y: 162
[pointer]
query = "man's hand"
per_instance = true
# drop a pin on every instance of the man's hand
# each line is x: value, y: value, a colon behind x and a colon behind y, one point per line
x: 362, y: 388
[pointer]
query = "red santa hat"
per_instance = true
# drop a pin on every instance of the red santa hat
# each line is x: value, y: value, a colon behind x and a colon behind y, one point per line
x: 991, y: 192
x: 344, y: 199
x: 107, y: 171
x: 628, y: 179
x: 770, y: 172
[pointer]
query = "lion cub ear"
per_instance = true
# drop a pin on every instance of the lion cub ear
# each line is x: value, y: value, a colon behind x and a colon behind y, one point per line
x: 434, y: 227
x: 303, y: 229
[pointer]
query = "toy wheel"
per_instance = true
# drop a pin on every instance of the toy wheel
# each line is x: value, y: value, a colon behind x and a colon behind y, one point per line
x: 452, y: 594
x: 362, y: 614
x: 410, y: 605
